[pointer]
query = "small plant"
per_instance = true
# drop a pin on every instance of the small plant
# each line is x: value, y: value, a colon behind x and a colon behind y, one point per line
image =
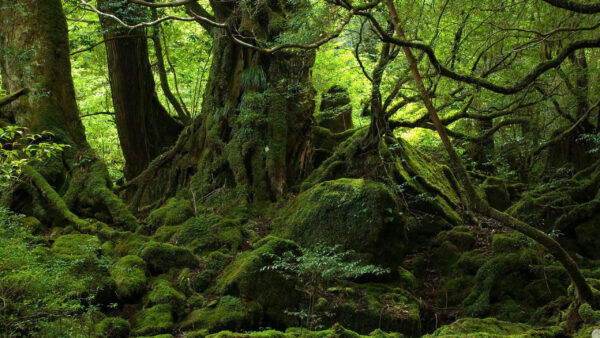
x: 314, y: 270
x: 18, y: 148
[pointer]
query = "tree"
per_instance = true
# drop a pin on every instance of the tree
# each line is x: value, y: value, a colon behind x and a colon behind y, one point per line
x: 145, y: 128
x: 34, y: 54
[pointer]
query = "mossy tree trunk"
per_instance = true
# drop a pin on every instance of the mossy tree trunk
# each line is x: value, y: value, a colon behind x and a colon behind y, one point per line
x: 145, y: 128
x: 34, y: 54
x: 253, y: 132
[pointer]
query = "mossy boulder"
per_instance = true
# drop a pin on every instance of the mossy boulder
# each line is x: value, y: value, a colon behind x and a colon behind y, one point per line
x: 129, y: 274
x: 163, y: 292
x: 366, y: 307
x: 358, y: 214
x: 492, y: 327
x: 155, y: 320
x: 496, y: 193
x: 76, y: 245
x: 274, y: 294
x: 460, y: 236
x: 337, y: 331
x: 198, y: 281
x: 113, y: 327
x: 162, y: 256
x: 228, y: 313
x: 209, y: 233
x: 174, y: 212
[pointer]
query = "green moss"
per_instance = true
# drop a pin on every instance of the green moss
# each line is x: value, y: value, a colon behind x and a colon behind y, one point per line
x: 194, y: 281
x: 358, y: 214
x: 196, y: 301
x: 453, y: 291
x: 32, y: 224
x: 161, y: 257
x: 113, y: 327
x: 470, y: 262
x: 588, y: 314
x: 229, y: 313
x: 406, y: 279
x: 76, y: 245
x: 129, y: 274
x: 269, y: 289
x: 445, y: 256
x: 496, y: 193
x: 163, y: 292
x: 460, y: 236
x: 502, y: 243
x: 174, y: 212
x: 491, y: 327
x: 155, y: 320
x: 206, y: 234
x: 166, y: 232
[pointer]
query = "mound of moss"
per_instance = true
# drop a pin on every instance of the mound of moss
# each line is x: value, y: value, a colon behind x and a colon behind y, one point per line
x: 228, y: 313
x: 492, y: 327
x: 358, y: 214
x: 155, y: 320
x: 209, y: 233
x: 113, y: 327
x: 174, y: 212
x: 162, y: 256
x: 76, y: 245
x: 337, y: 331
x: 272, y: 293
x: 129, y: 274
x: 163, y: 292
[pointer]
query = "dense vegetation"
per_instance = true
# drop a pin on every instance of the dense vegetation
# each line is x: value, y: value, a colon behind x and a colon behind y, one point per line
x: 299, y: 168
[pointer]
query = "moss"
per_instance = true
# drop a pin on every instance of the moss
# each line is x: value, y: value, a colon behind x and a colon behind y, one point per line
x: 269, y: 289
x: 588, y: 314
x: 130, y: 244
x: 358, y: 214
x: 460, y: 236
x: 496, y: 193
x: 207, y: 234
x: 164, y: 293
x: 229, y: 313
x: 445, y: 256
x: 406, y: 279
x: 76, y: 245
x: 196, y: 301
x: 32, y: 224
x: 502, y: 243
x: 166, y: 233
x: 155, y: 320
x: 365, y: 307
x: 174, y: 212
x: 129, y: 274
x: 453, y: 291
x: 113, y: 327
x: 491, y: 327
x: 161, y: 257
x: 470, y: 262
x: 193, y: 281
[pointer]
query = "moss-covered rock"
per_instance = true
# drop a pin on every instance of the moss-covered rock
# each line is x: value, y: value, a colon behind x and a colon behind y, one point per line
x: 155, y: 320
x: 210, y: 233
x: 496, y: 193
x: 161, y: 257
x: 335, y: 110
x: 198, y: 281
x: 129, y: 274
x: 274, y: 294
x: 461, y: 236
x: 491, y: 327
x: 163, y: 292
x: 228, y: 313
x: 358, y: 214
x: 76, y: 245
x: 337, y: 331
x: 174, y: 212
x: 113, y: 327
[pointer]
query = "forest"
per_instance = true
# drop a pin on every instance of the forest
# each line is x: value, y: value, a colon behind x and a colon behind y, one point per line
x: 300, y: 168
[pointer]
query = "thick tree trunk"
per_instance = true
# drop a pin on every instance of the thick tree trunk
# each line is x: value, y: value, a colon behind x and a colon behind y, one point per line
x: 34, y: 54
x: 145, y: 128
x: 254, y: 128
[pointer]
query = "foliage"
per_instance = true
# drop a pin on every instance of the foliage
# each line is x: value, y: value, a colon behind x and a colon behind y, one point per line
x: 314, y: 270
x: 18, y: 148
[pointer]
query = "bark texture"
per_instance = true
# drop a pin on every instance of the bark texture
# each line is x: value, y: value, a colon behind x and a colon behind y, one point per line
x: 145, y: 128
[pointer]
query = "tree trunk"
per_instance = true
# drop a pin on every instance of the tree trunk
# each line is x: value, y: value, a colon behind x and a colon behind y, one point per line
x: 34, y: 54
x: 145, y: 128
x: 253, y: 132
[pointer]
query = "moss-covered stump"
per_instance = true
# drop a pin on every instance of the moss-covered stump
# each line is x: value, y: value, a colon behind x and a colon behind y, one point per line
x: 366, y: 307
x: 155, y: 320
x: 269, y: 291
x: 358, y: 214
x: 568, y: 208
x: 113, y: 327
x: 161, y: 257
x: 129, y: 274
x: 492, y: 327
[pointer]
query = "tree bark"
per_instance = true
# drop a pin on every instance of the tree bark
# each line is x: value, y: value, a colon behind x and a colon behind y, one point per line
x: 254, y: 127
x: 34, y: 54
x: 145, y: 128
